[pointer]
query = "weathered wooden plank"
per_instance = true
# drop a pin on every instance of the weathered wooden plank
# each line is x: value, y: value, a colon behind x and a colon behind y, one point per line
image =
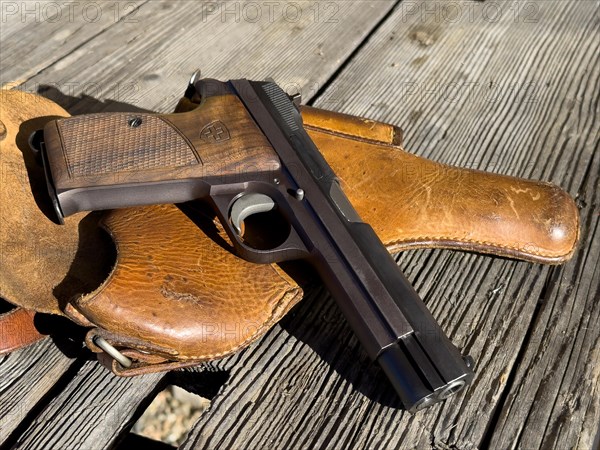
x: 554, y: 401
x: 315, y: 386
x: 148, y: 63
x: 526, y: 105
x: 26, y: 376
x: 94, y: 411
x: 37, y: 34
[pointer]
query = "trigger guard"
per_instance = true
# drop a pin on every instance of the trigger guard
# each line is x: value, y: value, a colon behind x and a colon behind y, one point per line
x: 293, y: 247
x: 248, y: 205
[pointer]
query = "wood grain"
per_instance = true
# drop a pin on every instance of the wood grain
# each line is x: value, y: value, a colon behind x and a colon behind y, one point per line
x: 148, y: 63
x: 38, y: 34
x: 310, y: 378
x: 163, y: 148
x: 93, y: 411
x: 26, y: 376
x: 557, y: 384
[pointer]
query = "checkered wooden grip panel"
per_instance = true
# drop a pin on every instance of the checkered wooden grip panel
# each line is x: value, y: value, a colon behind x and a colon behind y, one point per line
x: 110, y: 143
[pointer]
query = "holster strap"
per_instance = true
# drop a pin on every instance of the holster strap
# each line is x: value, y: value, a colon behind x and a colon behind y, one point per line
x: 17, y: 330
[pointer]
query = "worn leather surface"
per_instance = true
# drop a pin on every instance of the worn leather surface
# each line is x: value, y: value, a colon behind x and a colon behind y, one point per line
x: 179, y: 292
x: 17, y: 330
x: 412, y: 202
x: 42, y: 264
x: 178, y: 296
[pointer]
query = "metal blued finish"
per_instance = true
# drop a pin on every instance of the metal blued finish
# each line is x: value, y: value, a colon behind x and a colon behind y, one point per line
x: 451, y: 389
x: 383, y: 309
x: 60, y: 217
x: 37, y: 147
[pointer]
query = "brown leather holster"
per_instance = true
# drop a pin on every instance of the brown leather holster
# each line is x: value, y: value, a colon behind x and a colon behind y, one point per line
x: 174, y: 294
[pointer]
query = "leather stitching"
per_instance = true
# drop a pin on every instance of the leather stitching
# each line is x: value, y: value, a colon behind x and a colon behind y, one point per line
x: 426, y: 239
x: 287, y: 299
x: 332, y: 132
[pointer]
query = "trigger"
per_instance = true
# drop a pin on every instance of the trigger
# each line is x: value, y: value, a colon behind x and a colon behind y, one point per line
x: 247, y: 205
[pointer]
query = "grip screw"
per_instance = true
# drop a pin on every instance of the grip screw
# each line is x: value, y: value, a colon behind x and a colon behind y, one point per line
x: 135, y: 122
